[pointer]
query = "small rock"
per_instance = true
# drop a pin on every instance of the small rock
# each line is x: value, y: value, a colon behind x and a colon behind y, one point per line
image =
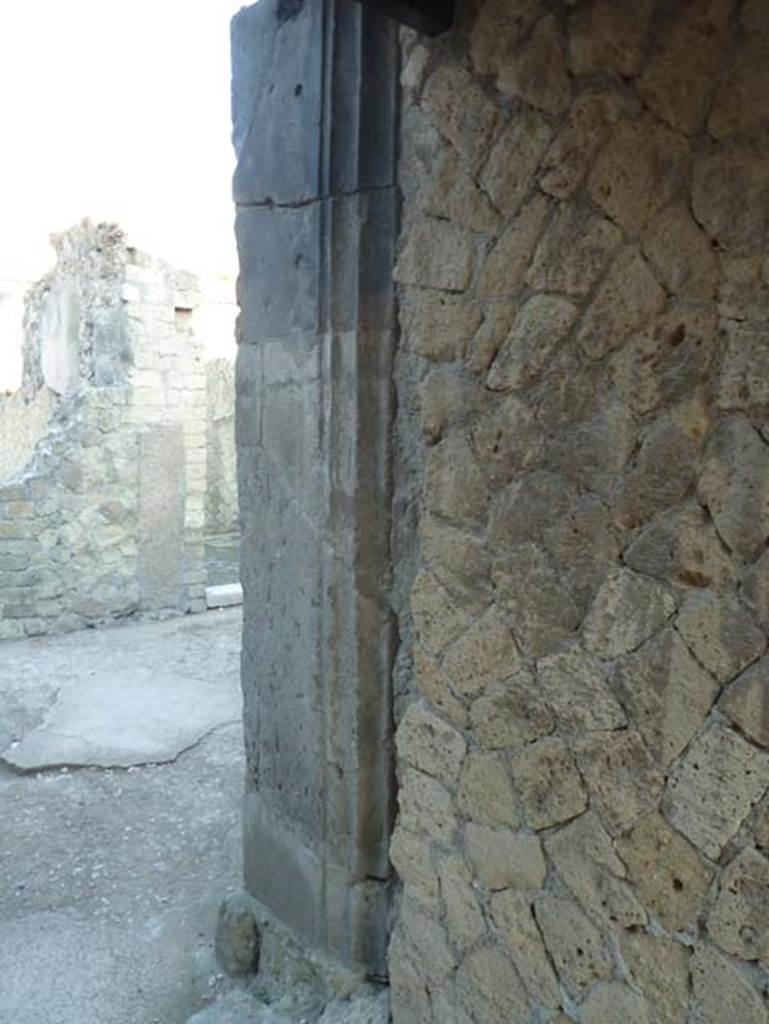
x: 237, y: 936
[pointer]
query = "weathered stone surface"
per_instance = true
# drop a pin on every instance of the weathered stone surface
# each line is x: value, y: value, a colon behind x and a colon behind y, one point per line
x: 486, y: 652
x: 437, y: 617
x: 461, y: 110
x: 571, y: 153
x: 454, y: 485
x: 411, y: 856
x: 507, y: 437
x: 720, y: 633
x: 574, y: 944
x: 502, y: 273
x: 498, y: 30
x: 740, y: 104
x: 739, y: 921
x: 615, y: 1003
x: 486, y: 792
x: 746, y: 702
x: 548, y: 782
x: 514, y: 159
x: 583, y: 544
x: 434, y: 687
x: 237, y: 936
x: 755, y: 590
x: 437, y: 325
x: 505, y: 860
x: 437, y: 254
x: 497, y: 320
x: 540, y: 326
x: 666, y: 360
x: 543, y: 613
x: 427, y: 938
x: 583, y: 855
x: 609, y: 37
x: 721, y: 991
x: 680, y: 253
x: 464, y: 920
x: 627, y: 610
x: 678, y: 80
x: 459, y: 563
x: 447, y: 401
x: 511, y: 714
x: 428, y: 743
x: 660, y: 969
x: 573, y: 251
x: 520, y: 512
x: 489, y: 988
x: 426, y: 807
x: 666, y: 692
x: 538, y: 74
x: 744, y: 379
x: 669, y: 875
x: 683, y: 547
x: 452, y: 195
x: 575, y: 688
x: 743, y: 292
x: 730, y: 198
x: 621, y: 775
x: 638, y: 172
x: 628, y: 297
x: 515, y: 924
x: 713, y: 789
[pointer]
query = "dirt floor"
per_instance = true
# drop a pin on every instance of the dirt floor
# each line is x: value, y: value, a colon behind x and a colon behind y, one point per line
x: 120, y: 783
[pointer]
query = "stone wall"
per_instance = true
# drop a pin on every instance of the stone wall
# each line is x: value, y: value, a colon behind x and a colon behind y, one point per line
x: 584, y: 280
x: 222, y: 482
x: 106, y: 515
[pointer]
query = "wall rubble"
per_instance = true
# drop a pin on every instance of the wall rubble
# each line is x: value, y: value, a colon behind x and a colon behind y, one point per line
x: 584, y: 278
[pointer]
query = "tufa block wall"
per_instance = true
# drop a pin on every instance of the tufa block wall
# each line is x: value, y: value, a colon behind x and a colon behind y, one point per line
x: 584, y: 279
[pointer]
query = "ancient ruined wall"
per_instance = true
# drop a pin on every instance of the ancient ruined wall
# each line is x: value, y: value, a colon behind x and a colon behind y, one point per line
x: 584, y: 822
x: 106, y: 516
x: 222, y: 483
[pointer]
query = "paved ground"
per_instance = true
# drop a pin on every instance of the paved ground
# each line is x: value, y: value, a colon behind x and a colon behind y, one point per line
x: 110, y: 877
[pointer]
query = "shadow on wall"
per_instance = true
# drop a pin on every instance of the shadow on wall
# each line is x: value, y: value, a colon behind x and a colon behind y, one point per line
x: 103, y: 451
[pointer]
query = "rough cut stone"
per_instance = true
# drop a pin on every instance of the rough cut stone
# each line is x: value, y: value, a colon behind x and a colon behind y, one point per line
x: 627, y: 610
x: 573, y: 251
x: 615, y: 1003
x: 681, y: 254
x: 489, y: 988
x: 660, y: 969
x: 621, y: 775
x: 505, y: 860
x: 520, y: 511
x: 575, y: 688
x: 755, y: 590
x: 739, y: 921
x: 452, y: 194
x: 511, y: 714
x: 721, y: 634
x: 434, y: 687
x: 537, y: 330
x: 426, y: 742
x: 497, y: 320
x: 507, y: 177
x: 744, y: 379
x: 721, y: 991
x: 427, y: 938
x: 464, y: 920
x: 498, y: 30
x: 713, y: 789
x: 742, y: 99
x: 515, y: 924
x: 411, y: 856
x: 607, y: 36
x: 669, y: 875
x: 426, y: 807
x: 437, y: 325
x: 507, y: 437
x: 735, y: 486
x: 583, y: 855
x: 743, y: 293
x: 486, y: 792
x: 437, y: 618
x: 454, y: 485
x: 237, y: 936
x: 571, y: 153
x: 746, y: 702
x: 437, y: 254
x: 583, y: 544
x: 538, y: 74
x: 638, y: 172
x: 628, y: 297
x: 574, y: 944
x: 458, y: 561
x: 502, y: 273
x: 485, y: 653
x: 549, y: 784
x: 730, y: 198
x: 447, y: 401
x: 666, y: 692
x: 459, y: 108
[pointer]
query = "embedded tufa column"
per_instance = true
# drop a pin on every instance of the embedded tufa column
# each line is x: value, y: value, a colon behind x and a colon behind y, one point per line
x: 314, y: 125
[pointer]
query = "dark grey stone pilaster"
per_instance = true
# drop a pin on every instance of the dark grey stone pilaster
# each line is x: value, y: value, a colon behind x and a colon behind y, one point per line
x: 314, y: 126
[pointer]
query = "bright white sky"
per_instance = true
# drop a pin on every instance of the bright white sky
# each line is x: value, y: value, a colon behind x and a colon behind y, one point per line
x: 116, y: 110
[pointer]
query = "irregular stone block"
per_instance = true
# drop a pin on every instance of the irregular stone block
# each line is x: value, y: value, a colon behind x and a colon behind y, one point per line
x: 627, y: 610
x: 721, y: 991
x: 486, y: 792
x: 411, y: 856
x: 458, y: 561
x: 681, y: 254
x: 237, y: 936
x: 755, y: 590
x: 746, y: 702
x: 497, y: 320
x: 744, y: 379
x: 669, y: 875
x: 426, y: 807
x: 435, y: 689
x: 515, y: 924
x: 573, y: 252
x: 437, y: 254
x: 743, y: 93
x: 660, y: 969
x: 537, y: 330
x: 583, y: 855
x: 574, y: 944
x: 575, y: 688
x: 506, y: 436
x: 713, y: 789
x: 571, y: 153
x: 538, y: 74
x: 607, y: 36
x: 437, y: 617
x: 426, y: 742
x: 464, y: 921
x: 461, y: 111
x: 485, y: 653
x: 450, y: 193
x: 505, y: 265
x: 739, y: 921
x: 497, y: 31
x: 511, y: 714
x: 514, y: 159
x: 583, y: 544
x: 448, y: 401
x: 520, y: 511
x: 615, y: 1003
x: 505, y: 860
x: 730, y: 199
x: 622, y: 777
x: 454, y: 485
x: 489, y: 988
x: 720, y: 633
x: 437, y: 325
x: 667, y: 693
x: 427, y: 938
x: 549, y: 784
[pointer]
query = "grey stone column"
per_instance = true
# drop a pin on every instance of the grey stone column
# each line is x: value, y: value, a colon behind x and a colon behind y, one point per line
x: 314, y: 92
